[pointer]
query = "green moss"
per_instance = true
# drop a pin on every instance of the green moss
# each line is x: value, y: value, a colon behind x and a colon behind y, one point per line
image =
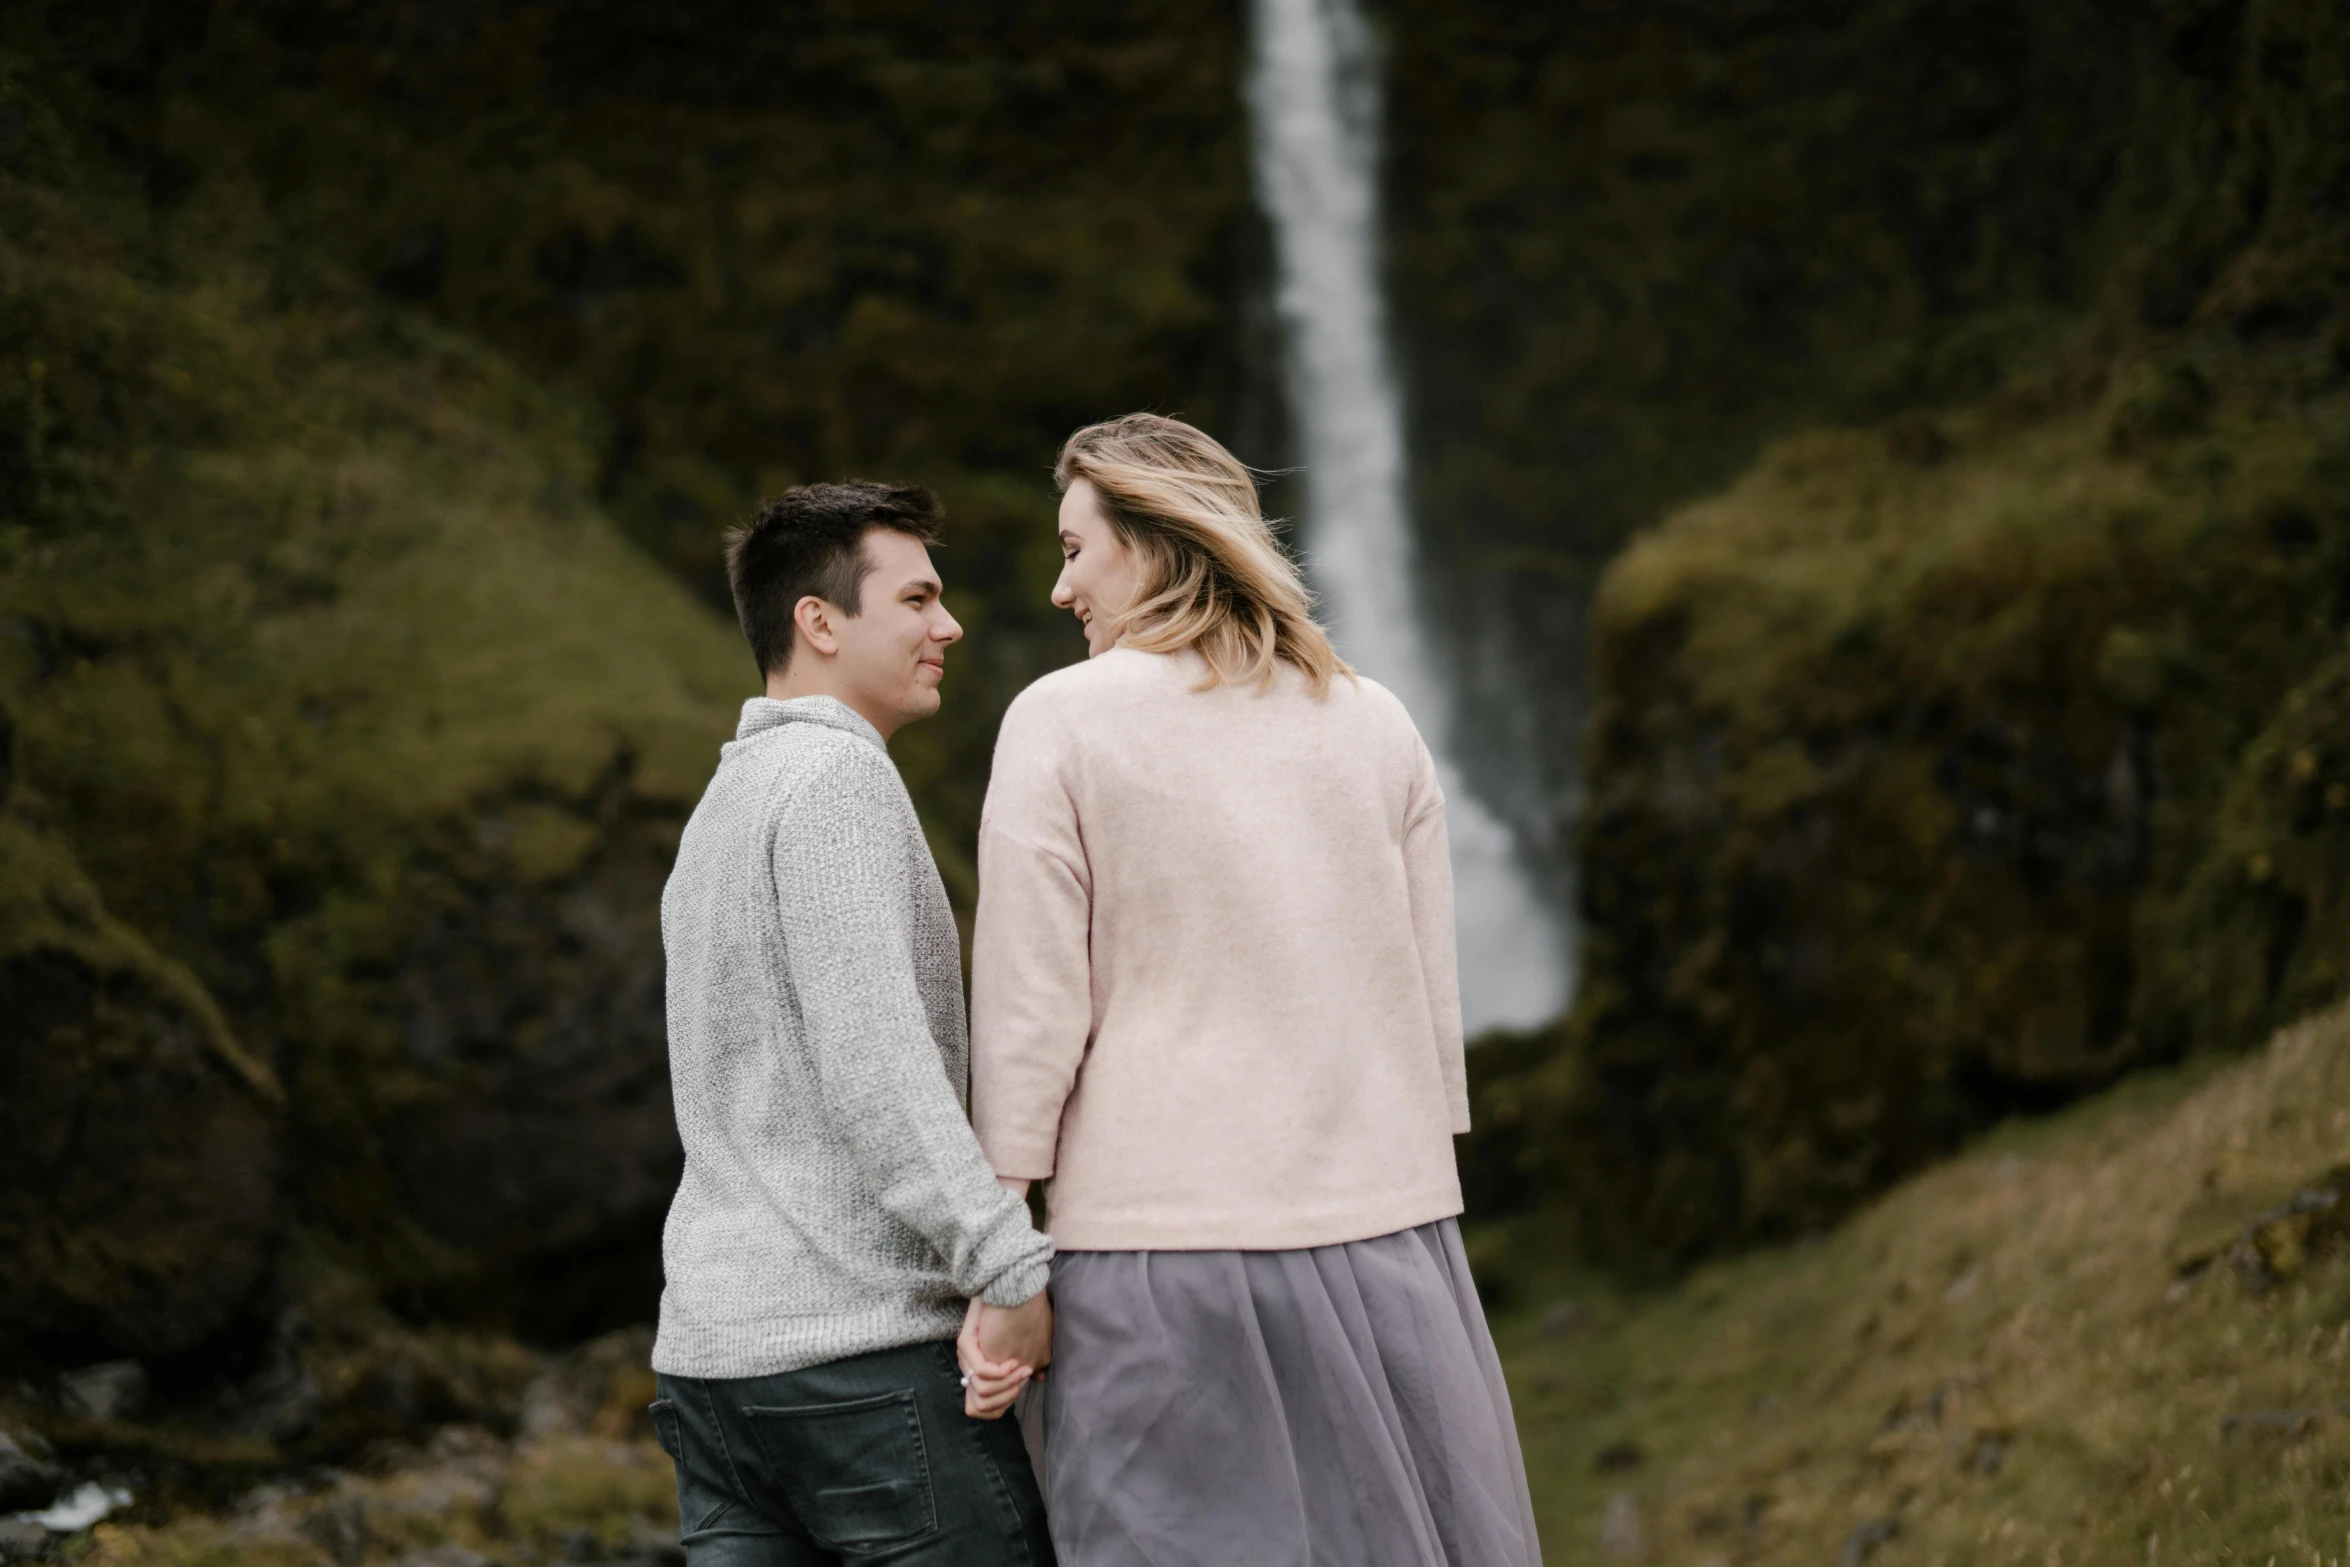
x: 48, y: 906
x: 1925, y: 765
x: 315, y: 644
x: 2261, y: 928
x: 1891, y: 767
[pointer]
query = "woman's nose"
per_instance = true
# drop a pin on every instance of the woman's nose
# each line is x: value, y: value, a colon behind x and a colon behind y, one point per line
x: 1062, y: 597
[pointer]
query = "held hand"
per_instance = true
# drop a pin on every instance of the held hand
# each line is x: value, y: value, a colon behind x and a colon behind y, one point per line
x: 1023, y: 1333
x: 989, y: 1386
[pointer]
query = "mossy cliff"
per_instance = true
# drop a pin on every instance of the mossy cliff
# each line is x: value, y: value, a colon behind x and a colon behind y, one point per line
x: 375, y: 386
x: 763, y: 245
x: 1959, y: 763
x: 348, y: 741
x: 1632, y: 243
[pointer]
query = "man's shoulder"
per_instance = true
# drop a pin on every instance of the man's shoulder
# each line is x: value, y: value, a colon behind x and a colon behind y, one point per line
x: 808, y: 769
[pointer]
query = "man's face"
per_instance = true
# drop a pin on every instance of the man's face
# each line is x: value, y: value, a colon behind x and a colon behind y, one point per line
x: 893, y: 652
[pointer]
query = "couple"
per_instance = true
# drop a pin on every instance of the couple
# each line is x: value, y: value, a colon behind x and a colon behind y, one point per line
x: 1213, y: 1006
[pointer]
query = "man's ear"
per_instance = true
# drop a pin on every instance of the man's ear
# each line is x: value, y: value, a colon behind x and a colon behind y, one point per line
x: 816, y: 622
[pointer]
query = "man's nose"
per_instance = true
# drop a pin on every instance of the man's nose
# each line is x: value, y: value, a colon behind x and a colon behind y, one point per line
x: 948, y: 629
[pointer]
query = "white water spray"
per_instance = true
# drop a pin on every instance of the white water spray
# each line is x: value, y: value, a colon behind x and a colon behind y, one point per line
x: 1315, y: 101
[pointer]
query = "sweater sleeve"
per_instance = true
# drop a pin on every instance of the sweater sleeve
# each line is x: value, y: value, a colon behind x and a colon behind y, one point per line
x: 1031, y: 959
x: 847, y: 912
x: 1428, y: 875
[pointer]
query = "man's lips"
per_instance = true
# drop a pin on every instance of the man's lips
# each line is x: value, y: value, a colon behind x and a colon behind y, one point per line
x: 937, y: 666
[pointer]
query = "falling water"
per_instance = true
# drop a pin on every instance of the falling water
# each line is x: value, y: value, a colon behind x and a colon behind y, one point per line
x: 1315, y: 100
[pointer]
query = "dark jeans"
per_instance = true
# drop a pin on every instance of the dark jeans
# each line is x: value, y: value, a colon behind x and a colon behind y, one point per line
x: 868, y: 1459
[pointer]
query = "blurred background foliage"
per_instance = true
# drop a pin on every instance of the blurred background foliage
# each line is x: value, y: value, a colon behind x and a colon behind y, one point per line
x: 1937, y: 766
x: 1883, y: 468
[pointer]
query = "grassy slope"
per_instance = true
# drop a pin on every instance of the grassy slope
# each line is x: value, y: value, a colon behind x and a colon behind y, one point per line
x: 2020, y: 1311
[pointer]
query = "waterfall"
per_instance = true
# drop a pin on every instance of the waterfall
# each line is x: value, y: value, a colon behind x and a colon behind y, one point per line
x: 1314, y: 99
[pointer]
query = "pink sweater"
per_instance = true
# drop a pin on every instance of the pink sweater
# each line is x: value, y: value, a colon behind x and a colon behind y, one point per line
x: 1213, y: 994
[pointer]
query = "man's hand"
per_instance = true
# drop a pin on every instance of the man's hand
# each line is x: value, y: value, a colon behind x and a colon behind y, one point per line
x: 989, y: 1386
x: 1001, y: 1347
x: 1023, y: 1333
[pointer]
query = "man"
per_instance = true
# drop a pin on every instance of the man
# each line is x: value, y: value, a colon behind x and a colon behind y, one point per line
x: 835, y: 1213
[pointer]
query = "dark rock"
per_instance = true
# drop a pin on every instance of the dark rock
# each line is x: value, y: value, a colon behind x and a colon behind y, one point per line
x: 1617, y: 1457
x: 1987, y: 1452
x: 283, y: 1401
x: 27, y: 1479
x: 138, y: 1203
x: 1862, y: 1543
x: 532, y: 1129
x: 111, y: 1390
x: 21, y: 1541
x: 2279, y: 1245
x: 339, y: 1529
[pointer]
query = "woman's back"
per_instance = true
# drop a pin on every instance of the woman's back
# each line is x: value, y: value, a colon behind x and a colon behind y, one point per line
x: 1214, y: 993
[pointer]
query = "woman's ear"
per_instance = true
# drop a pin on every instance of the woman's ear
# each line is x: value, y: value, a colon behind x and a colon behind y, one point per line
x: 813, y: 618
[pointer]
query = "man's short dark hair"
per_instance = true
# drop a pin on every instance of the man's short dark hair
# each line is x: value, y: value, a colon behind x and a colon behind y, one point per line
x: 811, y: 540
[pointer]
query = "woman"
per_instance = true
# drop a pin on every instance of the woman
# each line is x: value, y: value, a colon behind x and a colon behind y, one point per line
x: 1214, y: 1004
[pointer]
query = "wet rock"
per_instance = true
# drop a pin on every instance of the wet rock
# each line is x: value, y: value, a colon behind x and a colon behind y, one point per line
x: 1862, y: 1543
x: 110, y: 1390
x: 20, y: 1540
x: 27, y: 1478
x: 85, y: 1505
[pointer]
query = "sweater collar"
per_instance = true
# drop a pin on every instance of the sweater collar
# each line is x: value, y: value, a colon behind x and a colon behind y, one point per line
x: 762, y: 713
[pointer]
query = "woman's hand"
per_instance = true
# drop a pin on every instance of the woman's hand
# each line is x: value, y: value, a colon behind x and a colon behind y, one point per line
x: 989, y: 1385
x: 1023, y: 1333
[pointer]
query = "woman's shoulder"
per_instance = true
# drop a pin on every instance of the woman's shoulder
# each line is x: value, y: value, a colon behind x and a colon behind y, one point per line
x: 1107, y: 679
x: 1374, y: 706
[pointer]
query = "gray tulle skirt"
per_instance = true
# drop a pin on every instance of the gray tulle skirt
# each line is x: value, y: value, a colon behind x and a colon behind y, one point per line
x: 1334, y: 1407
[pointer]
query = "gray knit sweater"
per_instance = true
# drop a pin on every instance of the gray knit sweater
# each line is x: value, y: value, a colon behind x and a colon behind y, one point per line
x: 834, y: 1200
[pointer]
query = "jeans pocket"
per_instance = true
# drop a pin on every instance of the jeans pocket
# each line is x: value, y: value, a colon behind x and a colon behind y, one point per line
x: 700, y: 1500
x: 664, y: 1414
x: 855, y: 1474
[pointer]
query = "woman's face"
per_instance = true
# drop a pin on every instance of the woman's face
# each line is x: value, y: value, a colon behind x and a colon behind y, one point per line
x: 1097, y: 571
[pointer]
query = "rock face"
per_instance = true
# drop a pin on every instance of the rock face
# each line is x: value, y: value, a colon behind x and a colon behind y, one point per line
x: 347, y: 750
x: 367, y: 682
x: 138, y: 1202
x: 1956, y: 764
x: 544, y: 1148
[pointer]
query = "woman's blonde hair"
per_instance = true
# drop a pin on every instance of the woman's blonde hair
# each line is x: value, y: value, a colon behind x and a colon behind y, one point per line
x: 1210, y: 576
